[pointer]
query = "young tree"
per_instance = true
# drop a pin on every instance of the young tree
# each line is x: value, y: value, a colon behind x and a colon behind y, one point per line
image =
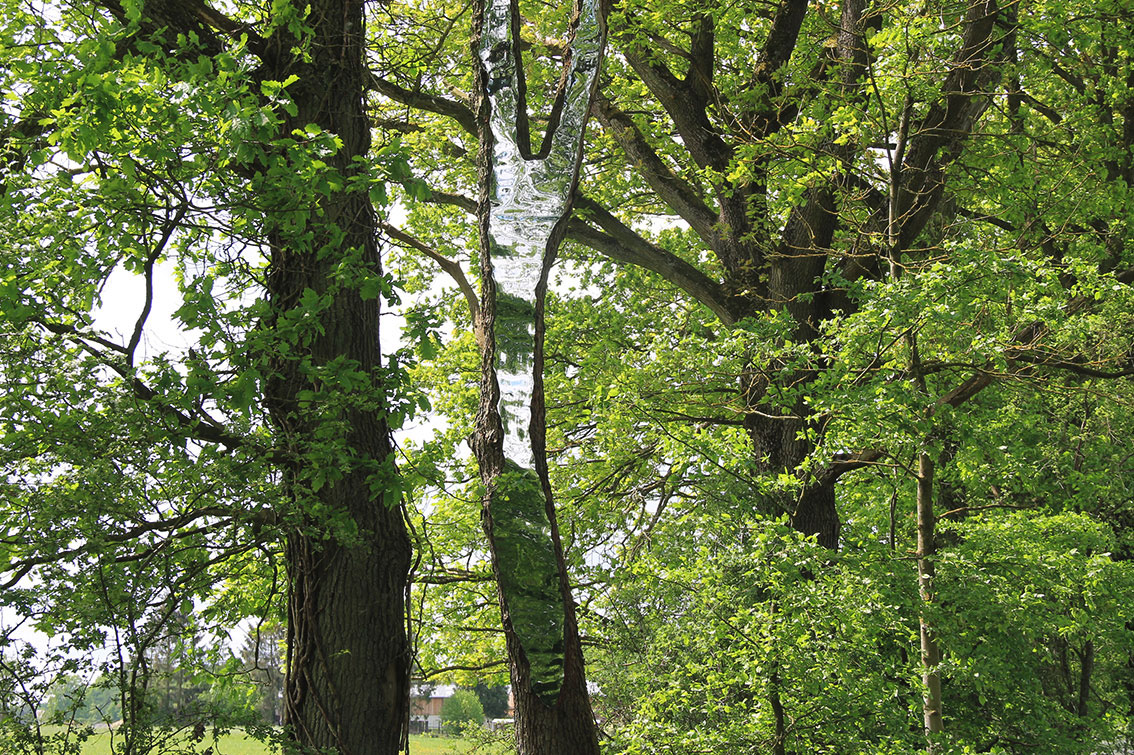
x: 461, y: 710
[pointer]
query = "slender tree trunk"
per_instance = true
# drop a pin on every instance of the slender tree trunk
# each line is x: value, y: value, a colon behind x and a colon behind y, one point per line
x: 552, y: 706
x: 1086, y: 668
x: 562, y: 723
x: 348, y: 657
x: 930, y: 650
x: 779, y: 744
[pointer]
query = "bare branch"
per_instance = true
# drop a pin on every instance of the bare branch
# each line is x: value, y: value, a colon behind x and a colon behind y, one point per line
x: 458, y: 111
x: 167, y: 230
x: 683, y: 198
x: 451, y: 267
x: 622, y: 244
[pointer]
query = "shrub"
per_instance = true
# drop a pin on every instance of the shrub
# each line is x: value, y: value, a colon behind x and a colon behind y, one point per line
x: 460, y: 709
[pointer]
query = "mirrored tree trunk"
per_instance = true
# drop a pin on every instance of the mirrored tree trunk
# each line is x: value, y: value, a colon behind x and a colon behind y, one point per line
x: 525, y: 200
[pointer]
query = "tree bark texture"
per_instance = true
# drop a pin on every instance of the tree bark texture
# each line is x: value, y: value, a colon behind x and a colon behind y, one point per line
x: 930, y: 650
x: 348, y: 655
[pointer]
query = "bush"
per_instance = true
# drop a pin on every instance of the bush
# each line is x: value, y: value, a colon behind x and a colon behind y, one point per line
x: 460, y: 709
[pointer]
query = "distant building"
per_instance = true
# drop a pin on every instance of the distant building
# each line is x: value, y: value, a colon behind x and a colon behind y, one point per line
x: 425, y: 706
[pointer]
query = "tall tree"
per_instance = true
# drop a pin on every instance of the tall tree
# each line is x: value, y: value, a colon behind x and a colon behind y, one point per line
x: 850, y: 205
x: 525, y: 198
x: 707, y: 154
x: 233, y: 147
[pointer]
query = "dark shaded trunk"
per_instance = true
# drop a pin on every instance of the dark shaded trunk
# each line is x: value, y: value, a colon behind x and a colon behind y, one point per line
x: 347, y: 685
x: 1086, y: 668
x: 778, y: 447
x: 815, y: 514
x: 348, y: 555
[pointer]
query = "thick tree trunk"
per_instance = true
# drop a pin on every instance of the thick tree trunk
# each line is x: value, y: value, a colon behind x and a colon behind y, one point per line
x: 778, y: 447
x: 348, y: 558
x: 347, y: 684
x: 815, y: 514
x: 568, y: 726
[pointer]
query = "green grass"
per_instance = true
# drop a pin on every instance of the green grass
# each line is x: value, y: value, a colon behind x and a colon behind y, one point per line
x: 238, y: 743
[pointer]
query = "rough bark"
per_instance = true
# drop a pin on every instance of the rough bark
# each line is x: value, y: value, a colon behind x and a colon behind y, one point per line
x: 348, y: 677
x: 347, y: 685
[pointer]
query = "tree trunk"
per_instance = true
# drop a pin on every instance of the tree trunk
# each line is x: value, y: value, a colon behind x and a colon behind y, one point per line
x: 347, y: 684
x: 1086, y: 667
x: 815, y: 514
x: 348, y: 657
x: 778, y: 447
x: 552, y: 706
x: 548, y: 721
x: 930, y: 650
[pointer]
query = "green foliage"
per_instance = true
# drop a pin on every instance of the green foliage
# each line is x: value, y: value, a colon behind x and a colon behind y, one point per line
x: 703, y: 639
x: 461, y: 710
x: 494, y: 700
x: 142, y: 172
x: 1030, y: 607
x: 707, y: 637
x: 141, y: 477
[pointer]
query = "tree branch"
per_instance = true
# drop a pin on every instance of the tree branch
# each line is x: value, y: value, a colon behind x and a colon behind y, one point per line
x: 937, y: 139
x: 197, y: 429
x: 24, y: 566
x: 671, y: 189
x: 622, y: 244
x: 167, y: 230
x: 451, y: 267
x: 432, y: 103
x: 698, y: 134
x: 468, y: 204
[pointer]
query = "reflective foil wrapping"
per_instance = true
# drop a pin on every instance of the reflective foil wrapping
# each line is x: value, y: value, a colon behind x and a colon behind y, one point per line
x: 528, y: 197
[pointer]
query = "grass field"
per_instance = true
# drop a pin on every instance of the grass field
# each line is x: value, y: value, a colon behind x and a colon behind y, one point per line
x: 237, y: 743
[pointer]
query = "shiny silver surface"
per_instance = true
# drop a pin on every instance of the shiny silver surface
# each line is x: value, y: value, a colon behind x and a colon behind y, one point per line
x: 529, y: 196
